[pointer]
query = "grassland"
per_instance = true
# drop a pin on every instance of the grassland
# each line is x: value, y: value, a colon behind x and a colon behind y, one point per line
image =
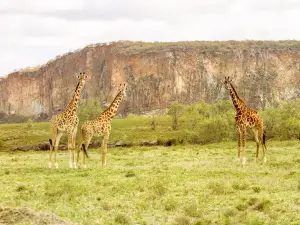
x: 132, y: 131
x: 190, y: 184
x: 180, y: 184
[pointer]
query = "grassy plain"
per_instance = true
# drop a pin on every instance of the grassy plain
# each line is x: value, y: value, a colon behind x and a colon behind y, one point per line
x: 180, y: 184
x: 191, y: 184
x: 131, y: 131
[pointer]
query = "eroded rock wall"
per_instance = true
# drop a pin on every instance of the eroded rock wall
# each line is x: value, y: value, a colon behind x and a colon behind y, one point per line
x: 156, y: 75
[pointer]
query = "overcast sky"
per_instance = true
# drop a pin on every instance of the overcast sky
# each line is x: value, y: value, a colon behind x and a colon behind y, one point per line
x: 35, y: 31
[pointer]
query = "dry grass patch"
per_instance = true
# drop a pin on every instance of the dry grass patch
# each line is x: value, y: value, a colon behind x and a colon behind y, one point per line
x: 29, y: 216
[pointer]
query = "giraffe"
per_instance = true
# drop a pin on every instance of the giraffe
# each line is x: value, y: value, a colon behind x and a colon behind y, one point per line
x: 66, y: 121
x: 246, y: 118
x: 100, y: 127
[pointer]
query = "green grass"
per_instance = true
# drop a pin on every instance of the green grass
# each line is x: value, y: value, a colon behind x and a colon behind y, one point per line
x: 21, y: 134
x: 190, y: 184
x: 200, y: 123
x: 132, y: 131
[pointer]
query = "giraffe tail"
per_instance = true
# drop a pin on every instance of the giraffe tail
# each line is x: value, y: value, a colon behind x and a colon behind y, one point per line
x: 84, y: 150
x: 264, y: 139
x: 51, y: 145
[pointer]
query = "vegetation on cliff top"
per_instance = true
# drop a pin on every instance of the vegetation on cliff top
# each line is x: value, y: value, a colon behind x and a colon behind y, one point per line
x: 135, y: 47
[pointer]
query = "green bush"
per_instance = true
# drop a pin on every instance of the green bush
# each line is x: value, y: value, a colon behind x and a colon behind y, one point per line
x: 203, y: 123
x: 283, y: 122
x: 199, y: 123
x: 29, y: 123
x: 175, y: 110
x: 89, y: 110
x: 153, y: 122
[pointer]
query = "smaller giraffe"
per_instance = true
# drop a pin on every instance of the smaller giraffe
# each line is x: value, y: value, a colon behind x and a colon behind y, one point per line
x: 67, y: 121
x: 246, y: 118
x: 100, y: 127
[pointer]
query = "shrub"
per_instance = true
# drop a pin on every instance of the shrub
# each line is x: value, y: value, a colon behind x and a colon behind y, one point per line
x: 130, y: 174
x: 159, y: 189
x: 240, y: 186
x: 122, y: 219
x: 241, y: 207
x: 89, y: 110
x: 283, y: 122
x: 29, y: 123
x: 203, y: 123
x: 192, y: 210
x: 170, y: 204
x: 175, y: 110
x: 153, y: 123
x: 263, y: 206
x: 252, y: 201
x: 20, y: 188
x: 217, y: 187
x: 256, y: 189
x: 182, y: 220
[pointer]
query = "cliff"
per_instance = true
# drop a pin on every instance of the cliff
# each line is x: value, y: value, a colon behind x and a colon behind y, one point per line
x: 157, y: 74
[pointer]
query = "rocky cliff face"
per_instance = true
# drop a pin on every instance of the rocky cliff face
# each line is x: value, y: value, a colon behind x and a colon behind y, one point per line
x: 157, y: 74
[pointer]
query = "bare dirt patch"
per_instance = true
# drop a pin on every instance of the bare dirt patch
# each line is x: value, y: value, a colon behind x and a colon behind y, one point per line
x: 25, y: 215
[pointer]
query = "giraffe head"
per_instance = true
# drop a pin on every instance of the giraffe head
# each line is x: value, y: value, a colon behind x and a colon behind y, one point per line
x: 227, y: 82
x: 82, y: 77
x: 123, y: 89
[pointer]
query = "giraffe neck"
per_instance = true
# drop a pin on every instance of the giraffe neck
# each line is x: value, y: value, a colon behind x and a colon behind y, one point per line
x: 73, y: 104
x: 111, y: 111
x: 238, y: 103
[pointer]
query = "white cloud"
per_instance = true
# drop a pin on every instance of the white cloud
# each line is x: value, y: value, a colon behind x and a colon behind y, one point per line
x: 34, y: 31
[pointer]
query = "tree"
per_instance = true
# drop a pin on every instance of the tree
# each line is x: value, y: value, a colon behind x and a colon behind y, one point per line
x: 175, y: 110
x: 89, y: 110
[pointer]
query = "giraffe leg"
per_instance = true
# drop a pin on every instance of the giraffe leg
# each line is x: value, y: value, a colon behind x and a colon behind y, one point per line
x: 78, y: 152
x: 104, y: 148
x: 264, y: 152
x: 54, y: 134
x: 73, y: 152
x: 80, y: 148
x: 58, y: 136
x: 265, y: 157
x: 239, y: 143
x: 50, y: 159
x: 244, y: 145
x: 84, y: 149
x: 262, y: 137
x: 73, y: 145
x: 257, y: 140
x: 70, y: 141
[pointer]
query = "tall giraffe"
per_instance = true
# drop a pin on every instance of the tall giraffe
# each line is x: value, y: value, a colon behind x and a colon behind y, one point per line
x: 244, y: 118
x: 100, y: 127
x: 67, y: 121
